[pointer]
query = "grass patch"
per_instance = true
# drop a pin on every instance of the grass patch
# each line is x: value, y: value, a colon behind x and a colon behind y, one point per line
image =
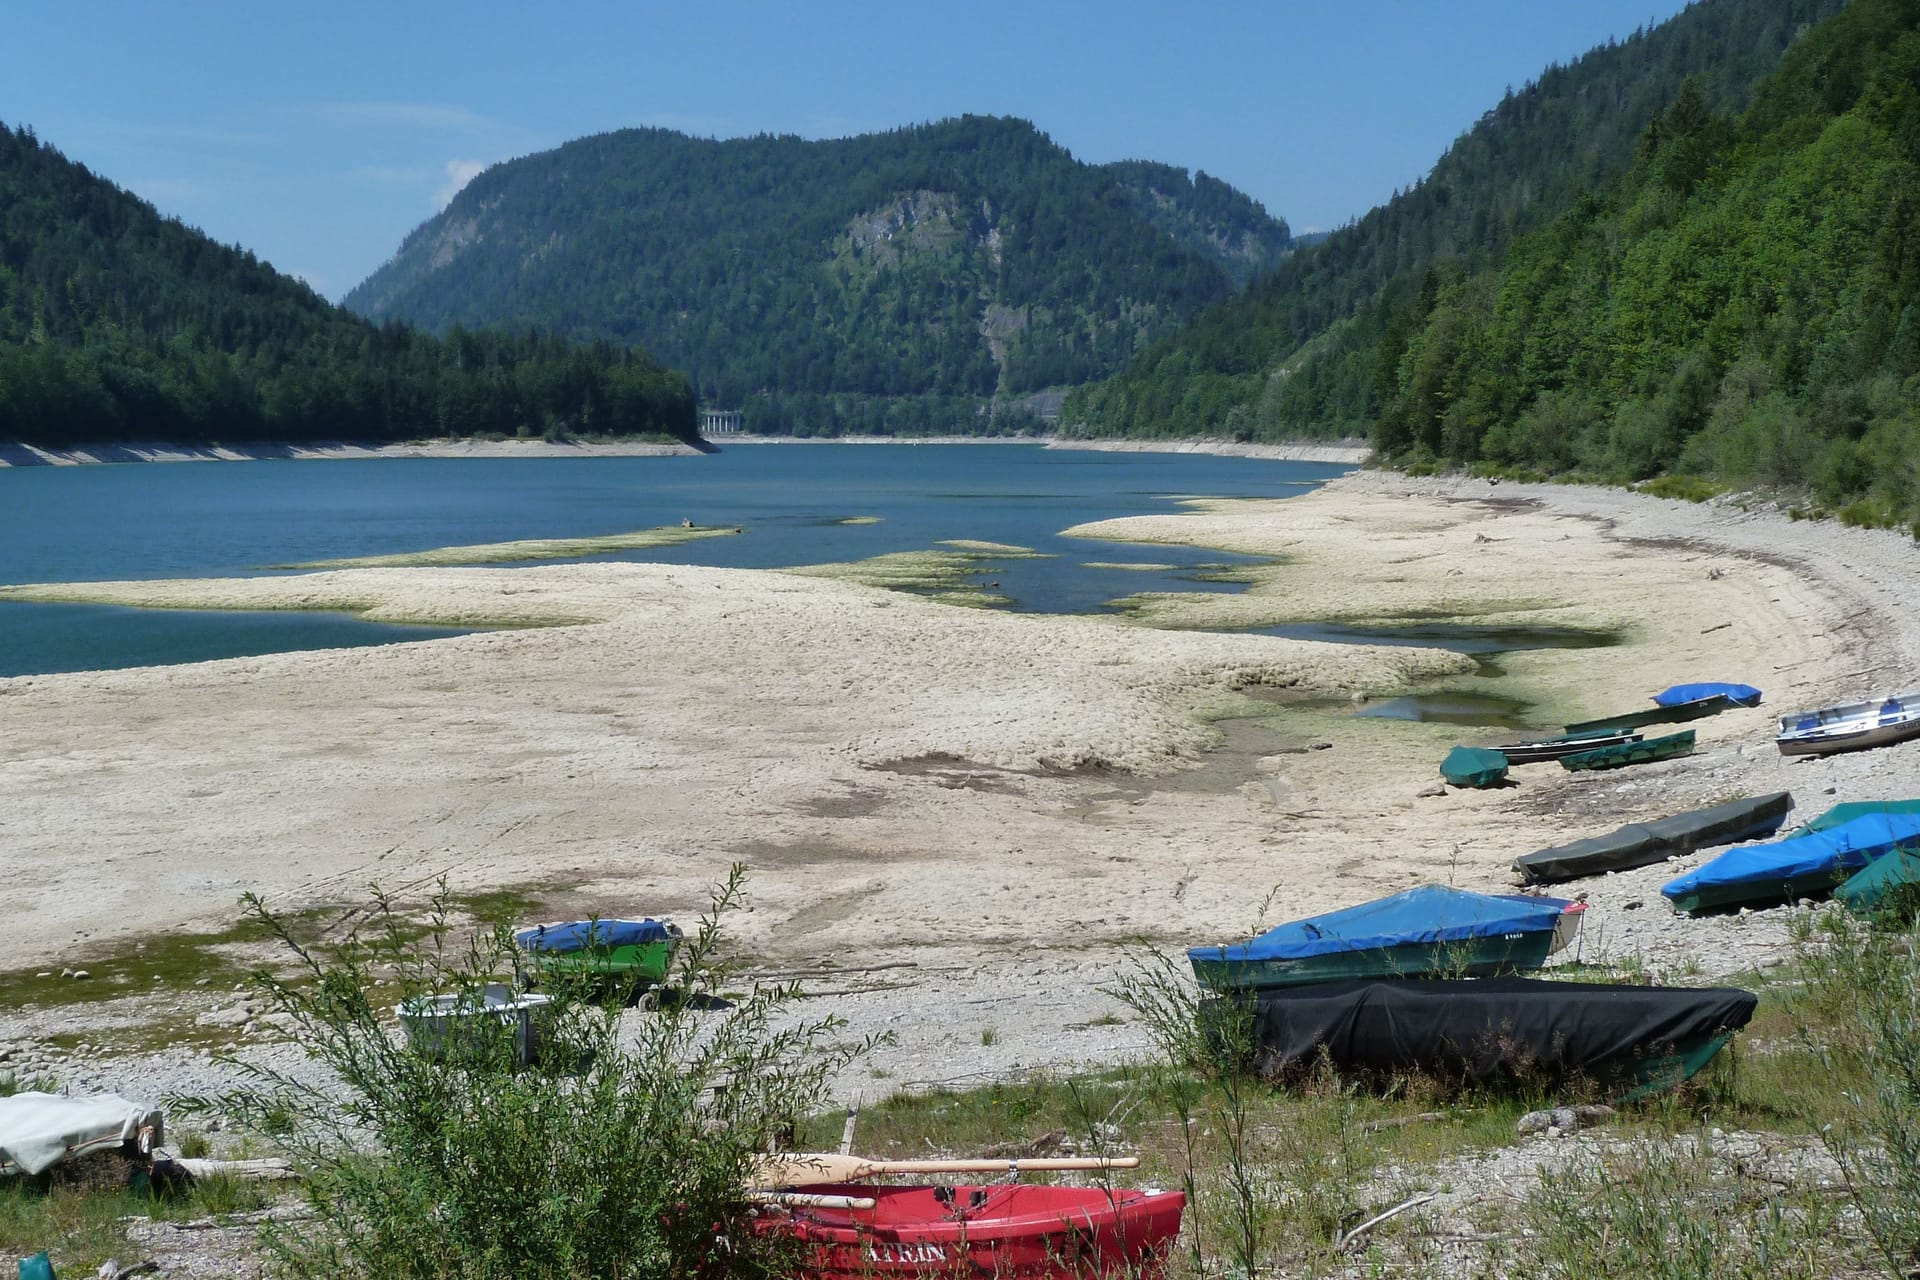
x: 81, y: 1223
x: 951, y: 577
x: 527, y: 549
x: 1684, y: 488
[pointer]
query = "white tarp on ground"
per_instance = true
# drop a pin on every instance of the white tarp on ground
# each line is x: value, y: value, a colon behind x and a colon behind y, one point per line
x: 39, y: 1130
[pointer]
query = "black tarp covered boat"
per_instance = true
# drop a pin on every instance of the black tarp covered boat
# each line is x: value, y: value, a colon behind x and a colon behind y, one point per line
x: 1627, y: 1040
x: 1641, y: 844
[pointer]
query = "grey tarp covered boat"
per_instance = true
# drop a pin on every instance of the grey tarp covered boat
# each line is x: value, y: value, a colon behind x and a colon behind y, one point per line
x: 1641, y: 844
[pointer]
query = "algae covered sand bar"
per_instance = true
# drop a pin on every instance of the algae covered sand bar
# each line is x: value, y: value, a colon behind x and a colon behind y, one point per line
x: 995, y: 807
x: 526, y: 549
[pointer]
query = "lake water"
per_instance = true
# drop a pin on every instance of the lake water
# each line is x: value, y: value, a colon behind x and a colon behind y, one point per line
x: 220, y: 519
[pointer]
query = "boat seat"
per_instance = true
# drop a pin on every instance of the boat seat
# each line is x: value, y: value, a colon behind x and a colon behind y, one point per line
x: 1808, y: 722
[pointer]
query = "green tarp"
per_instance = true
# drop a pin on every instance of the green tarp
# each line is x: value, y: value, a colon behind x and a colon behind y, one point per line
x: 1842, y: 813
x: 1473, y: 767
x: 1870, y: 889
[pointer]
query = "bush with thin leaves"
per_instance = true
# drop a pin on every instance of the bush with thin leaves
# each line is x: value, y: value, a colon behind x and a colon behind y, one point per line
x: 615, y: 1154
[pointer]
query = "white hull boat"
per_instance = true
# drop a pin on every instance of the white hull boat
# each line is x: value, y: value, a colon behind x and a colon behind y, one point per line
x: 1852, y: 727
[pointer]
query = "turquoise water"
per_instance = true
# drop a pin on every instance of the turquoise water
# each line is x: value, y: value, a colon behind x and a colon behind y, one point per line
x: 218, y: 519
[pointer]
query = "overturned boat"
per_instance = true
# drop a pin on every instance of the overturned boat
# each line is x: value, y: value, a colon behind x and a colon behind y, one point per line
x: 1641, y: 844
x: 1433, y: 929
x: 1853, y: 726
x: 1641, y: 752
x: 1017, y: 1230
x: 1626, y: 1040
x: 1806, y: 866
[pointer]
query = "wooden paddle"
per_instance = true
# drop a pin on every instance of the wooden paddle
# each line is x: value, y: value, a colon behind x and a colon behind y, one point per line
x: 801, y: 1200
x: 812, y: 1168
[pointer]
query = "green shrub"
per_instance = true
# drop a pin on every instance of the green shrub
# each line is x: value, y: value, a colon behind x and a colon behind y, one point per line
x: 616, y: 1153
x: 1684, y: 488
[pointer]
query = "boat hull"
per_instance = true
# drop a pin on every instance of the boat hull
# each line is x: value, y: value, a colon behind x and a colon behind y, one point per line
x: 1642, y: 844
x: 1852, y: 726
x: 1545, y: 749
x: 1015, y: 1231
x: 1674, y: 744
x: 1678, y: 714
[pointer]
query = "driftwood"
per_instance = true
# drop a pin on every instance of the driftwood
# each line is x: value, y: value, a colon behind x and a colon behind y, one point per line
x: 1342, y: 1239
x: 249, y: 1170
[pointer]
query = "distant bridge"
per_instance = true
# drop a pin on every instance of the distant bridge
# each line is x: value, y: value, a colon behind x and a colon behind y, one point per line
x: 722, y: 422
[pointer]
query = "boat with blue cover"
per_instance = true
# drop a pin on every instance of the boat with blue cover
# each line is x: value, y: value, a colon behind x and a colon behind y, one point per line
x: 639, y: 952
x: 1798, y: 867
x: 1674, y: 705
x: 1430, y: 930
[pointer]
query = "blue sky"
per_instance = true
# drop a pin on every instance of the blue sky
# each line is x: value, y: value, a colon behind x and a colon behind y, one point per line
x: 319, y: 135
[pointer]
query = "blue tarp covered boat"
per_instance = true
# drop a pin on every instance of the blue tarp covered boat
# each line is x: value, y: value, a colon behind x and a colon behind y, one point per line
x: 637, y: 952
x: 1740, y: 695
x: 1801, y: 866
x: 1431, y: 930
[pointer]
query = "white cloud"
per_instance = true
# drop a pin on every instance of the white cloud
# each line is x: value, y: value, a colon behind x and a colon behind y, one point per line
x: 459, y: 174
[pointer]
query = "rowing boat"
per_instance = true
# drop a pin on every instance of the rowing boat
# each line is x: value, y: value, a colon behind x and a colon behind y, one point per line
x: 1018, y: 1231
x: 1627, y: 1039
x: 1798, y: 867
x: 1432, y: 929
x: 1853, y: 726
x: 1641, y: 844
x: 1643, y: 752
x: 1676, y: 705
x: 1543, y: 749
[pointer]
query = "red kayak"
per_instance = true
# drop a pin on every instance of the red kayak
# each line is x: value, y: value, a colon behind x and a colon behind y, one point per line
x: 1010, y: 1230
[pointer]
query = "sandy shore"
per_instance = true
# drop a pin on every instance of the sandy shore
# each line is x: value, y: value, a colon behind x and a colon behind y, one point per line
x: 955, y: 819
x: 1350, y: 452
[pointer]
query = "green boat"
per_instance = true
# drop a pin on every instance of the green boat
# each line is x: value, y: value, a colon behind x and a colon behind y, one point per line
x: 1674, y: 744
x: 636, y: 952
x: 1659, y: 715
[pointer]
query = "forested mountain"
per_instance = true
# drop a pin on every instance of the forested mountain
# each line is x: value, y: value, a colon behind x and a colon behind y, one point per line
x: 119, y: 324
x: 1295, y: 355
x: 1744, y: 304
x: 893, y: 279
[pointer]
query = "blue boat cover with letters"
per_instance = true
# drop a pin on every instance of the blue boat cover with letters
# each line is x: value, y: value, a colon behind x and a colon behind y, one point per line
x: 1430, y: 913
x: 583, y: 935
x: 1741, y: 695
x: 1845, y: 848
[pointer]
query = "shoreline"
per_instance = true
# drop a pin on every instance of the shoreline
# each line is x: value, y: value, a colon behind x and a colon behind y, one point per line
x: 988, y: 810
x: 14, y: 454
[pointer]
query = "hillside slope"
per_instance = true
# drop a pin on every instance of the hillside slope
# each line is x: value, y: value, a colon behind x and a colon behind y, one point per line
x: 1744, y: 304
x: 119, y: 324
x: 1294, y: 355
x: 964, y: 259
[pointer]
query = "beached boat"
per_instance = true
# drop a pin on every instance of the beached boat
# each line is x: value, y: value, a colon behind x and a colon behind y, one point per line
x: 1854, y: 726
x: 1543, y: 749
x: 1847, y: 811
x: 1629, y: 1040
x: 635, y: 952
x: 495, y: 1020
x: 1474, y: 767
x: 1798, y: 867
x: 40, y: 1130
x: 1011, y: 1230
x: 1642, y: 752
x: 1676, y: 705
x: 1890, y: 883
x: 1429, y: 930
x: 1641, y: 844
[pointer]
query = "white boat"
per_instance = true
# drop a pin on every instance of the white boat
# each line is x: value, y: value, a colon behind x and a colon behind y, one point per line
x: 1852, y: 727
x: 436, y: 1025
